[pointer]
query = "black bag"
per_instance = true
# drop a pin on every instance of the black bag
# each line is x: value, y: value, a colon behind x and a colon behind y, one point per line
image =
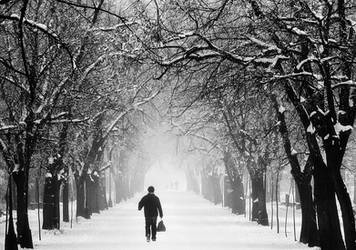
x: 161, y: 227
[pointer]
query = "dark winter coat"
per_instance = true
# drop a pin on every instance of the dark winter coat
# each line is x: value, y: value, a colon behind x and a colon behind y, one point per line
x: 151, y: 205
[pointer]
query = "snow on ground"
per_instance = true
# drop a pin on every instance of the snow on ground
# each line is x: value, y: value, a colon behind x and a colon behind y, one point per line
x: 192, y: 223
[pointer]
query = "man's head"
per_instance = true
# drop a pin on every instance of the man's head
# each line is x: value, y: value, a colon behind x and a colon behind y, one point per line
x: 150, y: 189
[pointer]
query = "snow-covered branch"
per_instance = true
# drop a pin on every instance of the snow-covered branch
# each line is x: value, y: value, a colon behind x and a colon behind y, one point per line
x: 145, y: 100
x: 228, y: 55
x: 6, y: 155
x: 132, y: 107
x: 3, y: 146
x: 69, y: 121
x: 318, y: 61
x: 348, y: 83
x: 86, y: 6
x: 8, y: 127
x: 92, y: 66
x: 57, y: 116
x: 108, y: 165
x: 293, y: 75
x: 57, y: 90
x: 50, y: 101
x: 305, y: 61
x: 33, y: 24
x: 114, y: 28
x: 13, y: 82
x: 195, y: 52
x: 210, y: 50
x: 180, y: 36
x: 268, y: 46
x: 201, y: 137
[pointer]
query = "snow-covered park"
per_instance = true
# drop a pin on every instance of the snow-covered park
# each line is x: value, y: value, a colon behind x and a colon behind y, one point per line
x: 240, y: 114
x: 192, y: 223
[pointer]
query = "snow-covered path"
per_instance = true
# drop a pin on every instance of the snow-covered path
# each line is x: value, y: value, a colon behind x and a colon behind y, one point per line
x: 192, y: 223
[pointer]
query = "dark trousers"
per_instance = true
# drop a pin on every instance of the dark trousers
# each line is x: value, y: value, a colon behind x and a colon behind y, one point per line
x: 151, y: 226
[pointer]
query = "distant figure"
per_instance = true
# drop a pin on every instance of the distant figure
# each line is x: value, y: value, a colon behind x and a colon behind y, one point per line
x: 152, y: 206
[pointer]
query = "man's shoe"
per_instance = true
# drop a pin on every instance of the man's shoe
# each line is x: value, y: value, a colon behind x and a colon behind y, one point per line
x: 153, y: 239
x: 148, y: 238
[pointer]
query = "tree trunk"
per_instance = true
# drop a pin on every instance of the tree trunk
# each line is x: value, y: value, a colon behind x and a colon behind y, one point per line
x: 204, y: 185
x: 209, y: 188
x: 309, y: 233
x: 192, y: 182
x: 347, y: 211
x: 259, y: 211
x: 238, y: 200
x: 10, y: 238
x: 271, y: 201
x: 48, y: 204
x: 57, y: 212
x: 328, y: 220
x: 92, y: 193
x: 126, y: 188
x: 65, y: 197
x: 103, y: 204
x: 277, y: 201
x: 227, y: 192
x: 23, y: 227
x: 355, y: 188
x: 217, y: 189
x: 118, y: 189
x: 110, y: 192
x: 51, y: 203
x: 88, y: 196
x: 297, y: 195
x: 82, y: 209
x: 14, y: 196
x: 309, y: 230
x: 236, y: 197
x: 334, y: 160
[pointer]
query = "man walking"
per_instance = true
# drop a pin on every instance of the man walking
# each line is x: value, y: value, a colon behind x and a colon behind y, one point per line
x: 152, y: 206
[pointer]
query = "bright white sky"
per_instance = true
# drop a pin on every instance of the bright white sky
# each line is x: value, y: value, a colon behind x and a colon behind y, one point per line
x: 165, y: 172
x: 164, y: 176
